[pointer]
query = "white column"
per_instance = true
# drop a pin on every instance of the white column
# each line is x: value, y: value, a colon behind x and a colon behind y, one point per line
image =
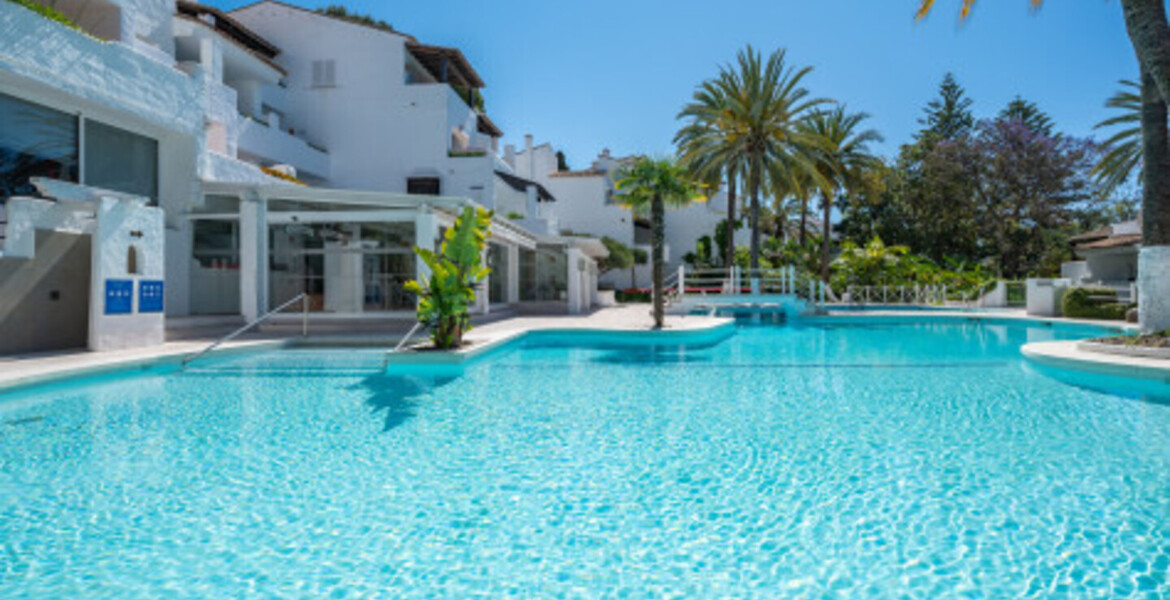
x: 253, y: 257
x: 426, y: 231
x: 1154, y: 288
x: 574, y: 258
x: 483, y: 296
x: 513, y: 273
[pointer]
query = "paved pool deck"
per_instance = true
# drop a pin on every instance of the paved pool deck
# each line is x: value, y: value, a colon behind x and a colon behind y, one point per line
x: 20, y: 371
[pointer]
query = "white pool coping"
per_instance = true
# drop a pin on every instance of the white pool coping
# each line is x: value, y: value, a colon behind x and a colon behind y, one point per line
x: 1070, y: 355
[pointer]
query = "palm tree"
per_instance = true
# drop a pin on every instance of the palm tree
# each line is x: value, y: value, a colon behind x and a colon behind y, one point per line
x: 1124, y: 148
x: 648, y: 185
x: 1148, y: 29
x: 708, y: 148
x: 762, y: 103
x: 844, y: 157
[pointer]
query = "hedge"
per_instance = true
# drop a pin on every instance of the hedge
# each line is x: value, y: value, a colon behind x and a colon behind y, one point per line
x: 47, y: 12
x: 1093, y: 303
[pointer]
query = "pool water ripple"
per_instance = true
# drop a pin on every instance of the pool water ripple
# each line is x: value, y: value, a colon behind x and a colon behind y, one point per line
x: 787, y: 461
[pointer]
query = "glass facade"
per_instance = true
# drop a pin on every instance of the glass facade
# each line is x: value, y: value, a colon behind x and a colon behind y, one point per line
x: 215, y: 270
x: 35, y: 141
x: 121, y: 161
x: 498, y: 279
x: 343, y: 267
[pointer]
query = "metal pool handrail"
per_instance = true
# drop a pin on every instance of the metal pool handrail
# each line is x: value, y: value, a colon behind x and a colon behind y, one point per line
x: 409, y: 334
x: 302, y: 298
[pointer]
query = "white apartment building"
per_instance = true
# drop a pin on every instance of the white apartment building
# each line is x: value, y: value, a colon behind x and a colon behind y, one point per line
x: 153, y: 162
x: 587, y: 204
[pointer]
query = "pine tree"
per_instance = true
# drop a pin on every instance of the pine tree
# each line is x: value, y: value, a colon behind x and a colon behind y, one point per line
x: 1029, y: 114
x: 948, y: 116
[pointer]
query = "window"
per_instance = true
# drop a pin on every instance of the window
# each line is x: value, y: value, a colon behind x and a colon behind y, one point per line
x: 35, y: 141
x: 121, y: 161
x: 324, y: 74
x: 423, y: 186
x: 133, y: 264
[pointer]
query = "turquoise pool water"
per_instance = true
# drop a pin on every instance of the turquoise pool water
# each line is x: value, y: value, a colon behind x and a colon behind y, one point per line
x: 805, y: 461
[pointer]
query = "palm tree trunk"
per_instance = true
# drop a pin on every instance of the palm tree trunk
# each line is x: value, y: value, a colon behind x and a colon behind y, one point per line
x: 827, y: 203
x: 1154, y: 257
x: 658, y: 231
x: 755, y: 216
x: 1149, y: 31
x: 730, y: 241
x: 803, y: 220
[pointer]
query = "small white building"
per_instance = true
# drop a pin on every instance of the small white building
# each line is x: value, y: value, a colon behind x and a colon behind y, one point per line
x: 588, y: 204
x: 1108, y: 257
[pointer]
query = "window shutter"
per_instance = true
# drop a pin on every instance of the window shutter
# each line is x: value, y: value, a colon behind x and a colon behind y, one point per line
x: 324, y: 74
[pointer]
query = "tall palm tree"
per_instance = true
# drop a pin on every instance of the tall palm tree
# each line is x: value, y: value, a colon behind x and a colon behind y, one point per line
x: 708, y: 148
x: 841, y: 162
x: 1148, y: 29
x: 649, y: 185
x: 763, y: 102
x: 1124, y: 148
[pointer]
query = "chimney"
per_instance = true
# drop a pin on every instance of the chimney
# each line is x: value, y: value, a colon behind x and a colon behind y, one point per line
x: 531, y: 156
x: 510, y: 155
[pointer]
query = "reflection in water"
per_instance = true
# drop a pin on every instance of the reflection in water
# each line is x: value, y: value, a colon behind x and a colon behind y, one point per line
x: 1153, y: 392
x: 397, y: 397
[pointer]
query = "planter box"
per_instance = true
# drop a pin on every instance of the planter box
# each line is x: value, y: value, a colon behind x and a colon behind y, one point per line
x: 1118, y: 350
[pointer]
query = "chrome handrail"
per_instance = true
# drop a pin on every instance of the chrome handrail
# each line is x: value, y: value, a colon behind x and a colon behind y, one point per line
x: 302, y: 298
x: 409, y: 334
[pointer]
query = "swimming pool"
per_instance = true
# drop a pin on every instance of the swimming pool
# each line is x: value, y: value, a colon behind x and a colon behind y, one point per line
x: 796, y: 460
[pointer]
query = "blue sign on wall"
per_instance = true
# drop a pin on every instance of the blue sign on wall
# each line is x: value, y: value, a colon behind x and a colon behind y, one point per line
x: 119, y: 296
x: 150, y: 296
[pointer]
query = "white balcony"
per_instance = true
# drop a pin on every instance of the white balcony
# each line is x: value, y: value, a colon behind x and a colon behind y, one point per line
x: 267, y: 144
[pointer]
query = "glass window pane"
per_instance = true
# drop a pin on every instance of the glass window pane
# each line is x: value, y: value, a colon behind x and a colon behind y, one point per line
x: 35, y: 141
x: 118, y: 160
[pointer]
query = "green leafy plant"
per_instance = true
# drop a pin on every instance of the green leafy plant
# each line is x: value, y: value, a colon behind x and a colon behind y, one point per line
x: 47, y: 12
x: 445, y: 299
x: 1093, y: 303
x: 515, y: 216
x: 339, y: 11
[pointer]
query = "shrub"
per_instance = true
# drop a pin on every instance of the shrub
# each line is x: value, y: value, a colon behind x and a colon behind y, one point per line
x: 47, y: 12
x: 1093, y: 303
x: 634, y: 296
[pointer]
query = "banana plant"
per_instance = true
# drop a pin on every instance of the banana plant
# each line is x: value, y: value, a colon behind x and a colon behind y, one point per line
x: 457, y: 269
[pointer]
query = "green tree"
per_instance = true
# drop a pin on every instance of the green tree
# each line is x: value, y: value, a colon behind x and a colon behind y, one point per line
x: 620, y: 256
x: 562, y: 162
x: 456, y: 270
x: 1123, y: 149
x: 765, y: 102
x: 948, y: 116
x: 709, y: 147
x: 841, y: 161
x: 1027, y: 113
x: 1149, y: 33
x: 648, y: 186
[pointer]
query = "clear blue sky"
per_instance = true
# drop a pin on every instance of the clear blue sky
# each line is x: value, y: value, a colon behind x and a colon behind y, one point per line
x: 614, y: 73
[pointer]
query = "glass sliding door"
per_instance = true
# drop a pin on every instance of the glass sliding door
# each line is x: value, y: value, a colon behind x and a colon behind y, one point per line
x: 215, y: 271
x: 35, y: 141
x: 498, y: 279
